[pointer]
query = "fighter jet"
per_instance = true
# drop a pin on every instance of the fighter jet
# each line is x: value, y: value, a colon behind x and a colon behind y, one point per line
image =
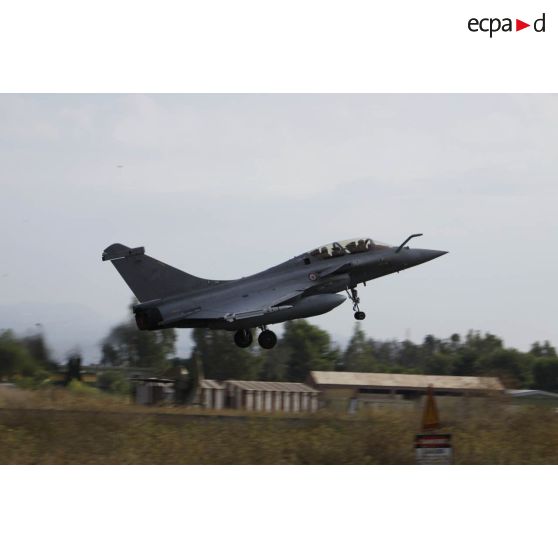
x: 304, y: 286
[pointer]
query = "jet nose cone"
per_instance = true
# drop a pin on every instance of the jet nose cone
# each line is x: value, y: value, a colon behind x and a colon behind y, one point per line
x: 427, y: 255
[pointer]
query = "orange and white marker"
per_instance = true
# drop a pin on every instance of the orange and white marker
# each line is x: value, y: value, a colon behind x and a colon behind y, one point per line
x: 430, y: 417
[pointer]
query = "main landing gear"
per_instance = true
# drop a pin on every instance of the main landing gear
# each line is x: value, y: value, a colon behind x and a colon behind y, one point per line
x: 243, y: 338
x: 267, y: 339
x: 353, y: 297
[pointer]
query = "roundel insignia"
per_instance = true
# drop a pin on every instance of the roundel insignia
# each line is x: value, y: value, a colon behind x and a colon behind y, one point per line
x: 312, y: 276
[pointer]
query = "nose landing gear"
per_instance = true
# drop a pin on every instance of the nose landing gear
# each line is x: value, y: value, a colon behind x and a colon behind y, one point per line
x: 354, y: 298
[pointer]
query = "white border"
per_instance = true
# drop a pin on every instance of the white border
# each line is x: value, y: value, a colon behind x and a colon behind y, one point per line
x: 287, y: 46
x: 272, y: 46
x: 277, y: 511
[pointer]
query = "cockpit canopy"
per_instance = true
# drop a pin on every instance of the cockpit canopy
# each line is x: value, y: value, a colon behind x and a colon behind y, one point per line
x: 344, y: 247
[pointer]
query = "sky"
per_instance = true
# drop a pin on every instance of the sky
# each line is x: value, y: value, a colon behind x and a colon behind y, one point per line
x: 223, y: 186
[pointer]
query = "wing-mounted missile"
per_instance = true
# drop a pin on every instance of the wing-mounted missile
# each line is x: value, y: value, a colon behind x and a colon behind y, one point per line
x: 283, y: 302
x: 303, y: 308
x: 232, y: 317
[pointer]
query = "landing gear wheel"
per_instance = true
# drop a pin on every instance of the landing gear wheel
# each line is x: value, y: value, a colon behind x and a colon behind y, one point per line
x: 243, y: 338
x: 353, y: 296
x: 267, y: 339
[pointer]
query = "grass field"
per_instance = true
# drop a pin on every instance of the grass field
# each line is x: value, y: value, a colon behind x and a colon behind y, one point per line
x: 57, y: 426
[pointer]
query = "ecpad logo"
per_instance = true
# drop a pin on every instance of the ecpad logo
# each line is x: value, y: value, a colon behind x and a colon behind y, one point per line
x: 493, y: 25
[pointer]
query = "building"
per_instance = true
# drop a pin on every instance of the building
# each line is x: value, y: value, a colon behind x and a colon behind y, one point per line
x: 211, y: 394
x: 356, y: 389
x: 531, y: 394
x: 286, y: 397
x: 153, y: 391
x: 233, y: 394
x: 533, y: 397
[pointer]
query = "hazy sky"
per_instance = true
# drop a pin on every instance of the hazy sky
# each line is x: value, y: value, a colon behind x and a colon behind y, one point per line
x: 225, y: 186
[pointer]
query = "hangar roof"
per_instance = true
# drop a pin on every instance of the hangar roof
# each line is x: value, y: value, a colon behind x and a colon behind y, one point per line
x: 271, y: 386
x: 405, y: 381
x: 528, y: 393
x: 211, y: 384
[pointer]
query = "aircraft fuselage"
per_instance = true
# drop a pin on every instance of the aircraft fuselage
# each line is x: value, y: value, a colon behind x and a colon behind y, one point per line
x: 318, y: 298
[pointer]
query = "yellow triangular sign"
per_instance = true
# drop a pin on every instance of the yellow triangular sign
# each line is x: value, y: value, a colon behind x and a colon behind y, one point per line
x: 430, y: 418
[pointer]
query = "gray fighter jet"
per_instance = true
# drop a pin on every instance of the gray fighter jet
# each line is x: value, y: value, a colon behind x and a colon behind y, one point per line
x: 304, y: 286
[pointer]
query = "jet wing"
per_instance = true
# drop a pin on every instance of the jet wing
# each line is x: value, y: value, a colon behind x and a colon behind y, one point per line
x: 236, y: 307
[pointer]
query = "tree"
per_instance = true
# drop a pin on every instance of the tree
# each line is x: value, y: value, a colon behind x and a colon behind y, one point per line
x: 114, y: 381
x: 483, y: 344
x: 359, y: 354
x: 545, y: 373
x: 455, y: 340
x: 430, y: 345
x: 274, y: 363
x: 220, y: 358
x: 18, y: 364
x: 385, y: 352
x: 410, y: 355
x: 544, y: 350
x: 510, y: 365
x: 126, y: 345
x: 15, y: 359
x: 465, y: 362
x: 309, y: 349
x: 439, y: 364
x: 39, y: 350
x: 73, y: 369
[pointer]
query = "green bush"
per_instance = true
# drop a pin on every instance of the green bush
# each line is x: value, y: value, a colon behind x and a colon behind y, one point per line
x: 114, y: 381
x: 38, y: 379
x: 76, y: 386
x: 15, y: 359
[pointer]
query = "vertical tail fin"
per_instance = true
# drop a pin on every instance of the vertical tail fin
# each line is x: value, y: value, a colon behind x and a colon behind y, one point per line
x: 148, y: 278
